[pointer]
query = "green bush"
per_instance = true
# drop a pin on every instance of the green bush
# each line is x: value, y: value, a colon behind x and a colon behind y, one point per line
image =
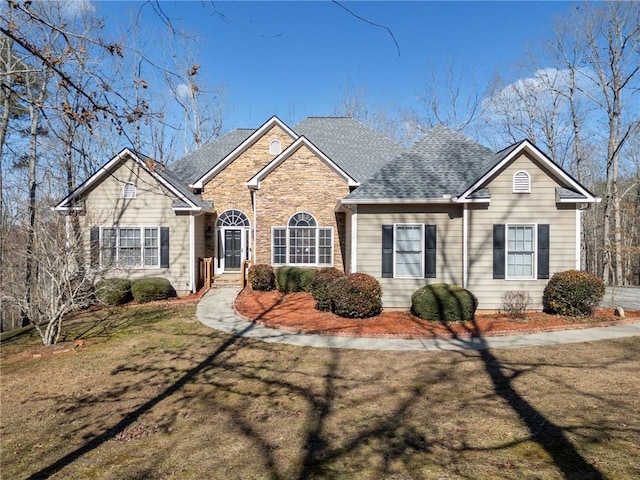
x: 150, y: 289
x: 357, y: 296
x: 307, y: 275
x: 113, y: 291
x: 321, y: 287
x: 294, y: 279
x: 572, y: 293
x: 262, y: 277
x: 444, y: 303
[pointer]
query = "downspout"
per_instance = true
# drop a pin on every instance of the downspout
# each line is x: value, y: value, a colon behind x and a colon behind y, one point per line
x: 465, y: 245
x: 354, y: 240
x: 192, y: 252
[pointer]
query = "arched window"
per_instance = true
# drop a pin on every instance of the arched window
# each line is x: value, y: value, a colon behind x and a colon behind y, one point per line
x: 233, y: 218
x: 521, y: 182
x: 129, y: 190
x: 302, y: 242
x: 275, y: 147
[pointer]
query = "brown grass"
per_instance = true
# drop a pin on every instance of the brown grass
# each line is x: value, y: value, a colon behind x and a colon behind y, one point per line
x: 151, y: 393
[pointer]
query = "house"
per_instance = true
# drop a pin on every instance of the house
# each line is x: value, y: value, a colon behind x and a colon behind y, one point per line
x: 332, y: 192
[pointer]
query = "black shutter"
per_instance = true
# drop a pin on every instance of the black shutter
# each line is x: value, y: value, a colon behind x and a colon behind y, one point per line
x: 430, y: 251
x: 498, y: 251
x: 543, y: 251
x: 164, y: 247
x: 94, y: 247
x: 387, y: 251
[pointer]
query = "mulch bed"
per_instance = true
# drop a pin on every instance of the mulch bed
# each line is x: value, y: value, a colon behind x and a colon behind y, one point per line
x: 296, y: 312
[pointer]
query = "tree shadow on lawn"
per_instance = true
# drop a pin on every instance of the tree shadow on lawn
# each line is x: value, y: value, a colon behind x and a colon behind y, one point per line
x: 393, y: 432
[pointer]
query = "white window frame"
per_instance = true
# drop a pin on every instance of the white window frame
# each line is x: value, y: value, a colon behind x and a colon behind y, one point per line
x: 129, y: 191
x: 517, y: 182
x: 534, y: 258
x: 317, y: 228
x: 420, y: 273
x: 142, y: 247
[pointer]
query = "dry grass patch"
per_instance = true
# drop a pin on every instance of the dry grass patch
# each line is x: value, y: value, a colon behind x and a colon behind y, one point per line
x: 157, y: 395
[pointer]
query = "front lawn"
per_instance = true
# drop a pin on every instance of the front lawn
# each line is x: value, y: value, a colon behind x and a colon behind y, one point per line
x: 151, y: 393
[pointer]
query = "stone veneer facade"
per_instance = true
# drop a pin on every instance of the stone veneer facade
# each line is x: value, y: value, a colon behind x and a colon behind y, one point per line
x: 302, y: 183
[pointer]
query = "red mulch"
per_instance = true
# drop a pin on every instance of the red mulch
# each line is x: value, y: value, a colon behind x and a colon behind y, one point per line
x: 296, y: 312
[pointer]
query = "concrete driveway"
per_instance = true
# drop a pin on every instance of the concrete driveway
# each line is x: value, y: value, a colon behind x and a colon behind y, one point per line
x: 625, y: 297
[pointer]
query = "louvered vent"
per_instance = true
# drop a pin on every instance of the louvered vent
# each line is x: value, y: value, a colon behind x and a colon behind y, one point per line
x: 521, y: 182
x: 129, y: 190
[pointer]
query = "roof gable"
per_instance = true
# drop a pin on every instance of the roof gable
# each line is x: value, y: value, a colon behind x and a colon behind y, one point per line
x: 185, y: 200
x: 254, y: 182
x: 250, y: 140
x: 505, y: 157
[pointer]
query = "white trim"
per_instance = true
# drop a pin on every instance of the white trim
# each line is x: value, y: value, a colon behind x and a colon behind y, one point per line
x: 273, y: 121
x: 578, y: 235
x: 354, y: 240
x: 192, y: 253
x: 116, y: 260
x: 254, y: 182
x: 382, y: 201
x: 465, y: 246
x: 422, y: 248
x: 526, y: 145
x: 254, y: 197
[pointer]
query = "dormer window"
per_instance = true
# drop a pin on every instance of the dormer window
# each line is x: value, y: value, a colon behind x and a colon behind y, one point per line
x: 275, y: 147
x: 521, y: 182
x: 129, y: 190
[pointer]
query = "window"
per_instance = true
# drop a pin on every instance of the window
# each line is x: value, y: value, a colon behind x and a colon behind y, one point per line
x: 520, y: 251
x: 275, y: 147
x: 129, y: 247
x: 521, y: 182
x: 408, y: 250
x: 129, y: 190
x: 233, y: 218
x: 302, y: 242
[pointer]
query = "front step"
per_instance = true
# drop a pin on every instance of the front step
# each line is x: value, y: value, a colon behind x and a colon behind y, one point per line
x: 227, y: 280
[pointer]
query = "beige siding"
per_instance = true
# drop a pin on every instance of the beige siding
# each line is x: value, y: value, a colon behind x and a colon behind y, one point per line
x: 397, y: 291
x: 537, y: 207
x: 106, y: 207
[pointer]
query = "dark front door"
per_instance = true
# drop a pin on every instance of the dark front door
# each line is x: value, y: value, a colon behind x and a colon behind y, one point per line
x: 232, y: 249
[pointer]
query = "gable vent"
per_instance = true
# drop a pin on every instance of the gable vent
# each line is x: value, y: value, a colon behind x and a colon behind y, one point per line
x: 129, y: 190
x: 521, y: 182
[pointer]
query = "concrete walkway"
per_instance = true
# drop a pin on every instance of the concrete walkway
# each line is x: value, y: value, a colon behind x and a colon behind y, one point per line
x: 215, y: 310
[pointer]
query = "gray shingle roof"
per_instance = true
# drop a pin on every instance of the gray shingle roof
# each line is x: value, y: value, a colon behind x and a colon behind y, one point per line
x: 567, y: 194
x: 176, y: 183
x: 439, y: 164
x: 354, y: 147
x: 190, y: 168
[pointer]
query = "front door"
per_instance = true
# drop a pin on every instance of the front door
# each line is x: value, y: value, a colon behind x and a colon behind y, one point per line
x: 232, y: 249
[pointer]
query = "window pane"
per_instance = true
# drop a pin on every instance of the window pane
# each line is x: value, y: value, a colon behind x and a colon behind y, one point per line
x: 520, y: 251
x: 302, y: 245
x: 279, y: 246
x: 325, y: 247
x: 151, y: 247
x: 409, y: 250
x: 108, y: 246
x: 130, y: 248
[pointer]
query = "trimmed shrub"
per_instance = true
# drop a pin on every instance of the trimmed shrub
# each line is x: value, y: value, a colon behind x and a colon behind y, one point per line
x: 150, y: 289
x: 289, y: 279
x: 357, y: 296
x: 572, y: 292
x: 307, y: 275
x: 515, y: 303
x: 444, y: 303
x: 262, y: 277
x: 321, y: 287
x: 113, y: 291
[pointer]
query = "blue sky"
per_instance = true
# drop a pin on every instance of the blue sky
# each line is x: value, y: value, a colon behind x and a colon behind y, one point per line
x: 293, y: 59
